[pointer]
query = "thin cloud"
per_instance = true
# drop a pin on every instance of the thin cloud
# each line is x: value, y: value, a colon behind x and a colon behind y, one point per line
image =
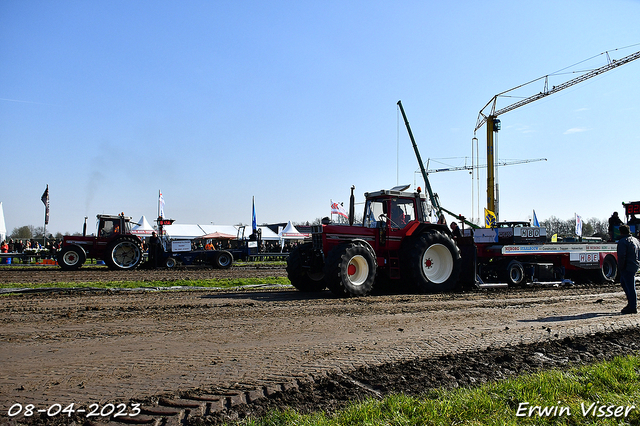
x: 575, y: 130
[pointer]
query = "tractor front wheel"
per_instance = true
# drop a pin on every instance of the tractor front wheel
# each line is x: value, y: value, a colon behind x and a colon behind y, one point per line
x: 71, y: 258
x: 350, y: 270
x: 302, y: 277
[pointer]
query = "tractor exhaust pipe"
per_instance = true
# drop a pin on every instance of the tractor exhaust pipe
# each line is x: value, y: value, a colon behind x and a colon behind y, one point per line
x: 84, y: 227
x: 352, y: 206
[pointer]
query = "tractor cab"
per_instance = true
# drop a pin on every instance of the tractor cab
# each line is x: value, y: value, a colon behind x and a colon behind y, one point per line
x: 394, y: 208
x: 110, y: 226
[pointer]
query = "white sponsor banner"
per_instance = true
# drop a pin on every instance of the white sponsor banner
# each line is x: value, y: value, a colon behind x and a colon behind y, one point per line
x: 181, y: 245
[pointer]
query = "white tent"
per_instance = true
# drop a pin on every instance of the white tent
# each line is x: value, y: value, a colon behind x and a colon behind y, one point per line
x: 223, y: 229
x: 191, y: 232
x: 268, y: 234
x: 143, y: 228
x: 188, y: 232
x: 3, y: 227
x: 291, y: 233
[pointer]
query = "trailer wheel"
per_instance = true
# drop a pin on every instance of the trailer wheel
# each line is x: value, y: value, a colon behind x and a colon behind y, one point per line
x: 71, y: 258
x: 514, y: 274
x: 222, y: 259
x: 608, y: 272
x: 431, y: 262
x: 350, y: 270
x: 302, y: 278
x: 170, y: 262
x: 123, y: 253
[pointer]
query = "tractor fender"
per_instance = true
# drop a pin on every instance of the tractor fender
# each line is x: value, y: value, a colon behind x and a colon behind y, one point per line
x: 361, y: 242
x: 356, y: 241
x: 77, y: 247
x: 419, y: 227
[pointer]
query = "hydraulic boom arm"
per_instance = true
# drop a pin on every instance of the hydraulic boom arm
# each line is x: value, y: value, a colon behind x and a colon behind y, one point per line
x: 435, y: 202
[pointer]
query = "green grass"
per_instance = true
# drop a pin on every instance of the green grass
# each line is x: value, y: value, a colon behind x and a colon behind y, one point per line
x: 612, y: 383
x: 212, y: 283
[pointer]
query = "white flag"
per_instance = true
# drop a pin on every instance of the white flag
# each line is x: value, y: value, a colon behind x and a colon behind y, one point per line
x: 160, y: 205
x: 578, y: 226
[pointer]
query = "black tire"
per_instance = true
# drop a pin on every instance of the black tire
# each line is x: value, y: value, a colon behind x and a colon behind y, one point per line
x: 170, y: 262
x: 71, y: 258
x: 513, y: 275
x: 431, y: 262
x: 222, y: 259
x: 124, y: 253
x: 350, y: 270
x: 303, y: 278
x: 607, y: 273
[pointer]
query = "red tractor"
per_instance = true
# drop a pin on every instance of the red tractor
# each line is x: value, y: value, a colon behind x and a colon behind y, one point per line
x: 114, y: 244
x: 394, y: 242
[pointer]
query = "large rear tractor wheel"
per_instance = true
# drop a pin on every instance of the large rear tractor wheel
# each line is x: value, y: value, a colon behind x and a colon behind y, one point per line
x: 222, y: 259
x: 71, y: 258
x: 124, y: 253
x: 350, y: 270
x: 303, y: 278
x: 431, y: 263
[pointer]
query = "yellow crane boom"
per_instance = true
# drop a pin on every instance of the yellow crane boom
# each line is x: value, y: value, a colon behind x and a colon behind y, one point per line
x: 488, y: 114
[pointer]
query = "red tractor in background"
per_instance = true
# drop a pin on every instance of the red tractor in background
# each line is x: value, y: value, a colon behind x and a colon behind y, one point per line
x: 395, y: 241
x: 113, y: 243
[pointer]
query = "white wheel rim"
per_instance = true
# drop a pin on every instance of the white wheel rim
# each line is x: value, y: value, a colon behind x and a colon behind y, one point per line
x: 357, y: 270
x: 71, y: 258
x: 125, y: 254
x: 437, y: 263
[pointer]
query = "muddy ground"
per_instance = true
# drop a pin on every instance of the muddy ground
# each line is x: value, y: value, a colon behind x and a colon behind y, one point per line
x: 316, y: 351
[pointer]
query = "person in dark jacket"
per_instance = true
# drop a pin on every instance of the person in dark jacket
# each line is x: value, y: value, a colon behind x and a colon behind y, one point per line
x: 628, y: 262
x: 614, y: 221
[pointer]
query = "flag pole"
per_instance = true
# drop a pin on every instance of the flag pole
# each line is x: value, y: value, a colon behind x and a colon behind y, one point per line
x: 45, y: 201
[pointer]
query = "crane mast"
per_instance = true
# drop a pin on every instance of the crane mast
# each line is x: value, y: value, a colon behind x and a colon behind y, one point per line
x: 489, y: 115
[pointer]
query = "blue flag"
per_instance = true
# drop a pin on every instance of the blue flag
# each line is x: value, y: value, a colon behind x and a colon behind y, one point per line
x: 254, y: 226
x: 535, y: 220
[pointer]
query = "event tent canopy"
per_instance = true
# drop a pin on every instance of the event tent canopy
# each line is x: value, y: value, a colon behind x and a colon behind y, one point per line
x: 143, y: 227
x: 290, y: 232
x: 191, y: 232
x: 3, y: 227
x: 218, y: 236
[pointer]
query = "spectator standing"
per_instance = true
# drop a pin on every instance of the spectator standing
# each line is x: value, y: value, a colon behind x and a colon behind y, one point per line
x: 154, y: 248
x: 628, y: 262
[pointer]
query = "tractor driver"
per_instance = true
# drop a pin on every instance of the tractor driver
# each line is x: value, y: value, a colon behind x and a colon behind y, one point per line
x: 398, y: 217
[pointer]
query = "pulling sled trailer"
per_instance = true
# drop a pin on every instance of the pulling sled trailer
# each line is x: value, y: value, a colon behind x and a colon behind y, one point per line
x: 520, y: 255
x: 180, y: 253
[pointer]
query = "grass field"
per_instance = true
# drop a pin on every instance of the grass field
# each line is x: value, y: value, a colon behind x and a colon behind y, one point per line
x: 607, y: 393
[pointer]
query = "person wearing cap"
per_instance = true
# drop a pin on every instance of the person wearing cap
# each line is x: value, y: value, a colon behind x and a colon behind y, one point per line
x: 628, y: 263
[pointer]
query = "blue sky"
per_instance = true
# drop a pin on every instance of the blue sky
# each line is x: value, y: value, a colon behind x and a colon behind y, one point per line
x: 214, y: 102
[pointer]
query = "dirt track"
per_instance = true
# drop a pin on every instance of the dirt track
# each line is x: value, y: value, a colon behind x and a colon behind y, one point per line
x: 210, y: 354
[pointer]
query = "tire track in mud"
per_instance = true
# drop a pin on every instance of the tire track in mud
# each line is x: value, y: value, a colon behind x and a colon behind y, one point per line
x: 208, y: 356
